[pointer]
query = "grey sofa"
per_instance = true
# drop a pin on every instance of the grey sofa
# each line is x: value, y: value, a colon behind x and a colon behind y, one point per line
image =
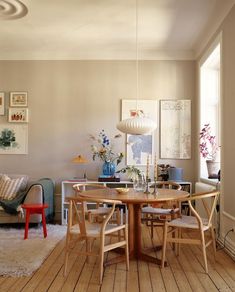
x: 34, y: 194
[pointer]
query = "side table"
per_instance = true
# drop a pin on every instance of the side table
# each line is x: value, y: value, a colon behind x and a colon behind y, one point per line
x: 34, y: 209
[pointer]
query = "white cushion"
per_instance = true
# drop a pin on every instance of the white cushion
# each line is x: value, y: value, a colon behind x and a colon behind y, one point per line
x: 188, y: 222
x: 160, y: 211
x: 9, y: 187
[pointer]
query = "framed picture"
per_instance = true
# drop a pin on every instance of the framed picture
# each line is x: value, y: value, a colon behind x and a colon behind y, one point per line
x: 18, y: 115
x: 141, y: 146
x: 138, y: 148
x: 2, y: 104
x: 13, y: 139
x: 19, y: 99
x: 175, y: 116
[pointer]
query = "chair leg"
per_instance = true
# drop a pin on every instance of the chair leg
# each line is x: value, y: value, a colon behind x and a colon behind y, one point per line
x: 88, y: 248
x: 118, y: 222
x: 213, y: 240
x: 126, y: 247
x: 204, y: 250
x: 66, y: 254
x: 151, y: 226
x: 164, y: 244
x: 101, y: 259
x: 178, y: 245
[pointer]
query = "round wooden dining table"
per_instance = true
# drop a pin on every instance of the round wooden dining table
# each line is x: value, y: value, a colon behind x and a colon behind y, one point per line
x: 134, y: 201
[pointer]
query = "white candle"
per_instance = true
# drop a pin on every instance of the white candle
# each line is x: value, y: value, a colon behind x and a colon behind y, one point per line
x: 155, y: 167
x: 147, y: 168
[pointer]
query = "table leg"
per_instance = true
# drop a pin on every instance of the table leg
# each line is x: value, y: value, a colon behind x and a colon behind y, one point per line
x: 138, y: 240
x: 44, y: 223
x: 26, y: 229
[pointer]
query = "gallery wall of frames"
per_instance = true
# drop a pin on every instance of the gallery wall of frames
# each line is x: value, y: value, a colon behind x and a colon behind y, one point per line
x: 14, y: 128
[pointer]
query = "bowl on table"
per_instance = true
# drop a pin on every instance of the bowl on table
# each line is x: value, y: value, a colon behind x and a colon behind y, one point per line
x: 122, y: 190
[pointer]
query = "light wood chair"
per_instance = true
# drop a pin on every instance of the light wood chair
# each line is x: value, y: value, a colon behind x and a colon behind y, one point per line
x: 195, y: 223
x: 158, y: 214
x: 100, y: 210
x: 83, y: 230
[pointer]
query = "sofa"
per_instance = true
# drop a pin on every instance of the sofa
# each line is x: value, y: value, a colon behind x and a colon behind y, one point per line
x: 38, y: 192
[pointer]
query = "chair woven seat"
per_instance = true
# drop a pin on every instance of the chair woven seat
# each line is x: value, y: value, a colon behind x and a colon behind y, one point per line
x: 189, y: 222
x: 160, y: 211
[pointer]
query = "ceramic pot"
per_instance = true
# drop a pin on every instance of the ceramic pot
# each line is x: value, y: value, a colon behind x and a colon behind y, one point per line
x: 213, y: 168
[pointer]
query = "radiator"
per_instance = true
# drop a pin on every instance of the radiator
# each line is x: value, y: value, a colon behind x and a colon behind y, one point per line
x: 201, y: 188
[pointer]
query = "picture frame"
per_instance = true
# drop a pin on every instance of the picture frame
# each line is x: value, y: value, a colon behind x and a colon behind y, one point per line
x: 2, y: 103
x: 175, y: 129
x: 13, y: 139
x: 142, y: 146
x: 18, y: 99
x: 18, y: 115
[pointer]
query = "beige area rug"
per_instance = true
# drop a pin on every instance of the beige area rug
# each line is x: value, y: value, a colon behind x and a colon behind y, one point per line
x: 19, y: 257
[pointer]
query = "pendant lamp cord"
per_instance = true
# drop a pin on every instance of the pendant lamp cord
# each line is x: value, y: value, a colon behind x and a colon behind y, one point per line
x: 137, y: 57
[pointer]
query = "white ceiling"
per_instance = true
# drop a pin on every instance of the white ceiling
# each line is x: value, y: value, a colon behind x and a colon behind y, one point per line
x: 106, y: 29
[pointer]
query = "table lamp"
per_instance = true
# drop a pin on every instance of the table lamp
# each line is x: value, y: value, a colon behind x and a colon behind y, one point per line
x: 80, y: 160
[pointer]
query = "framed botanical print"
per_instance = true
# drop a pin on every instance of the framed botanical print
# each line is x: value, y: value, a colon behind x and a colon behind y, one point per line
x: 19, y: 99
x: 18, y: 115
x: 2, y: 104
x: 13, y: 139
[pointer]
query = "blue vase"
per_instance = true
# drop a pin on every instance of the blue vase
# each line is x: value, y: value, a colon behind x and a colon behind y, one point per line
x: 109, y: 168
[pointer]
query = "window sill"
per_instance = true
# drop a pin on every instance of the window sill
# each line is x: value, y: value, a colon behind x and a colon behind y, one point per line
x: 213, y: 182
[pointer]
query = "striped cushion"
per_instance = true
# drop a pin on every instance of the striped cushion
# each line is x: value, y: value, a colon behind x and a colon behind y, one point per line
x: 9, y: 187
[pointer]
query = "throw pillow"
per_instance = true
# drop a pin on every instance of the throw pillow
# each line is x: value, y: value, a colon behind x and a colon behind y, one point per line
x: 9, y: 187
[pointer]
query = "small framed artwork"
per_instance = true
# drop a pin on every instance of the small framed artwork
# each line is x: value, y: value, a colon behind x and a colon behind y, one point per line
x: 2, y: 104
x: 18, y: 115
x: 19, y: 99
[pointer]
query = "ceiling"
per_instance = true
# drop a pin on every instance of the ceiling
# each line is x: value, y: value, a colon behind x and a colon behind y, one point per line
x: 106, y: 29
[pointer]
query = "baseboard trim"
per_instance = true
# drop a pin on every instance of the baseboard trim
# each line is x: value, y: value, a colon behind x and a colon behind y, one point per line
x: 229, y: 247
x: 228, y: 216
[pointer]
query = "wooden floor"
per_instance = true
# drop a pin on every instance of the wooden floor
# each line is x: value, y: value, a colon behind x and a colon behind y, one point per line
x: 184, y: 273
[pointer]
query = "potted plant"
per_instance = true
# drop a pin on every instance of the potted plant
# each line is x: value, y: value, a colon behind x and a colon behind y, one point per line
x: 209, y: 149
x: 132, y: 172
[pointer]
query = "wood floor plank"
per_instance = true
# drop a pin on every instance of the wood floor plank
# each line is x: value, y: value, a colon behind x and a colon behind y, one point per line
x: 120, y: 283
x: 184, y: 273
x: 132, y: 277
x: 202, y: 276
x: 41, y: 273
x: 154, y: 270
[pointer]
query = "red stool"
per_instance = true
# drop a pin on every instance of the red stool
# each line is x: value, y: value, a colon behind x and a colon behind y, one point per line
x: 34, y: 209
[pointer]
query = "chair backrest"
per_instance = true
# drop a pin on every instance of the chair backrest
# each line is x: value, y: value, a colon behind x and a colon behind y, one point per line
x: 85, y: 186
x: 208, y: 208
x: 77, y: 214
x: 168, y: 185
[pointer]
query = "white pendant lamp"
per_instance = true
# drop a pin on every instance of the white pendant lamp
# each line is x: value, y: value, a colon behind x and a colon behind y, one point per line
x: 139, y: 124
x: 12, y: 9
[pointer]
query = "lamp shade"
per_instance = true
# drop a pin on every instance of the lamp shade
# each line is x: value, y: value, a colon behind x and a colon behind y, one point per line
x: 79, y: 159
x: 137, y: 126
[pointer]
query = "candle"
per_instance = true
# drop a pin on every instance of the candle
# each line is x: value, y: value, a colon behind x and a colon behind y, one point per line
x: 147, y: 168
x: 155, y: 167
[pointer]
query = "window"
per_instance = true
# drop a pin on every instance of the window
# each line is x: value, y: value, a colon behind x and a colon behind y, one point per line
x: 210, y: 93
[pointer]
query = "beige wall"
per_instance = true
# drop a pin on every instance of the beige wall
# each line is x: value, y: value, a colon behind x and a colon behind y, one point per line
x: 68, y: 100
x: 227, y: 123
